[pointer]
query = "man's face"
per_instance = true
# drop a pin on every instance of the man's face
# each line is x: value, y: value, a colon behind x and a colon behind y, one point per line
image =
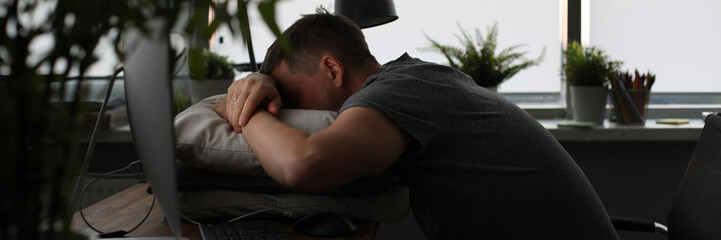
x: 306, y: 91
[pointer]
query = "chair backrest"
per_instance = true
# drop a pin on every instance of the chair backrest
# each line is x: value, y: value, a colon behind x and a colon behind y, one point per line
x: 696, y: 210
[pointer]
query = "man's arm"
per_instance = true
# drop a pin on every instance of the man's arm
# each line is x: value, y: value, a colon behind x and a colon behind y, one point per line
x: 361, y: 142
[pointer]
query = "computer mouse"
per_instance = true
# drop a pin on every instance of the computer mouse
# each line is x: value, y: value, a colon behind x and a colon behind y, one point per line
x: 325, y: 224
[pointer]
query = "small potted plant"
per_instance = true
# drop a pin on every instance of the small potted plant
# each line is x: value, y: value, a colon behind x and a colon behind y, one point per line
x: 210, y: 73
x: 588, y: 71
x: 480, y: 60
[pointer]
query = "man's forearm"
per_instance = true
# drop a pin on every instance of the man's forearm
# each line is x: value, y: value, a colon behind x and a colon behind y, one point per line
x: 281, y: 149
x: 361, y: 142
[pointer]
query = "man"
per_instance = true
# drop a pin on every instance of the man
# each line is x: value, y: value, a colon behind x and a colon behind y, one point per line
x: 476, y: 165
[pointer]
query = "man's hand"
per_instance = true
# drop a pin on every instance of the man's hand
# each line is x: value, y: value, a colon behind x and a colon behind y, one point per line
x: 246, y: 94
x: 220, y: 106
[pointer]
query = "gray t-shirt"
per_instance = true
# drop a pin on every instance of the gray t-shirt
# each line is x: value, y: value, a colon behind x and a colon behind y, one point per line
x: 478, y: 165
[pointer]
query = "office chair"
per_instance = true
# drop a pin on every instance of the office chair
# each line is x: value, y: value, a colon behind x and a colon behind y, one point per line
x: 696, y: 210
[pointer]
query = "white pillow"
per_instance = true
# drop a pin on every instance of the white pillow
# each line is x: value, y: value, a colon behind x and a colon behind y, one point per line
x: 205, y: 140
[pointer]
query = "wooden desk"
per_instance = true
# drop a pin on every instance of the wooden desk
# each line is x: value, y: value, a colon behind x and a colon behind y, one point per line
x: 126, y: 209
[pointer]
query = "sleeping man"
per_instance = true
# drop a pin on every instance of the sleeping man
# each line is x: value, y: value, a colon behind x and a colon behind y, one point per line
x: 477, y: 166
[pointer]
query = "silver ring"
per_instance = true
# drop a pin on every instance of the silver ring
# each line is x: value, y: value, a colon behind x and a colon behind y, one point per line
x: 235, y: 98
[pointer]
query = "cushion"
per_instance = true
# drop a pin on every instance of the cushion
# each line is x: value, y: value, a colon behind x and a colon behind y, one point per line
x: 388, y: 206
x: 192, y: 179
x: 220, y: 177
x: 205, y: 140
x: 212, y: 195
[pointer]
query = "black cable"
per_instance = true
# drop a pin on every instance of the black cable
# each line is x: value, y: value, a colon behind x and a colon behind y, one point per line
x: 285, y: 213
x: 138, y: 176
x: 82, y: 215
x: 77, y: 197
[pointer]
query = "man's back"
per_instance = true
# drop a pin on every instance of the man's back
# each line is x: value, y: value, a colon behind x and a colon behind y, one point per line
x: 478, y: 165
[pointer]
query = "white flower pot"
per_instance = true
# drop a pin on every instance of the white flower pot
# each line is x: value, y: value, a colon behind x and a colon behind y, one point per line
x: 589, y: 103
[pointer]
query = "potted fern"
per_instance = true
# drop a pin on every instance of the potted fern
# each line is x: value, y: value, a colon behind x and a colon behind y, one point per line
x: 210, y: 73
x: 588, y: 71
x: 480, y: 60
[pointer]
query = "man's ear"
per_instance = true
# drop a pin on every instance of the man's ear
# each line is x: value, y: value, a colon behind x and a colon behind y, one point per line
x: 335, y: 70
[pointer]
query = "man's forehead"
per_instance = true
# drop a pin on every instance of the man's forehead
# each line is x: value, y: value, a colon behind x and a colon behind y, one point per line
x: 286, y: 82
x: 281, y: 72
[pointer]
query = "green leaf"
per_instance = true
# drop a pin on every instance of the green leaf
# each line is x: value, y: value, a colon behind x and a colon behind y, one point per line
x: 196, y: 63
x: 480, y: 60
x: 267, y: 11
x: 212, y: 27
x: 242, y: 15
x: 587, y: 66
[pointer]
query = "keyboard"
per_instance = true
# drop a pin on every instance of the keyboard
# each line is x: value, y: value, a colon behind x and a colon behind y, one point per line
x: 244, y: 229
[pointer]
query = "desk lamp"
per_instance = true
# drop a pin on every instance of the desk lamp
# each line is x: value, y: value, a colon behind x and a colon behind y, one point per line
x: 367, y: 13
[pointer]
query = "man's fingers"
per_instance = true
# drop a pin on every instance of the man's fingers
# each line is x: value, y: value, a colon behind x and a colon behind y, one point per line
x: 242, y: 89
x: 237, y: 106
x: 249, y: 106
x: 220, y: 107
x: 274, y: 105
x: 234, y: 109
x: 229, y: 109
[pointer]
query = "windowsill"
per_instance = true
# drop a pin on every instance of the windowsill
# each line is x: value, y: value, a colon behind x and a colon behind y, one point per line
x: 690, y: 111
x: 550, y: 116
x: 651, y: 131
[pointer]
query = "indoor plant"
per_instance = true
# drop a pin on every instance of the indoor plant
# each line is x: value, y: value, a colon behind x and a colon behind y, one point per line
x: 588, y: 71
x: 210, y: 73
x: 40, y: 138
x: 480, y: 60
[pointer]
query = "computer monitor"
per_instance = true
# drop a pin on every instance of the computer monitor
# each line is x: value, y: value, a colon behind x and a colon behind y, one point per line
x: 148, y: 97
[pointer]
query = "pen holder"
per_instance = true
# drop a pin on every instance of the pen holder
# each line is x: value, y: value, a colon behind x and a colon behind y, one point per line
x: 630, y: 106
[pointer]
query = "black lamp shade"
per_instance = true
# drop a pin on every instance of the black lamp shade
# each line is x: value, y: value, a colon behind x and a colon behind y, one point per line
x: 367, y: 13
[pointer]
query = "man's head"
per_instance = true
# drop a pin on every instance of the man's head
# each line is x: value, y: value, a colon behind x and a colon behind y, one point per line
x: 324, y: 46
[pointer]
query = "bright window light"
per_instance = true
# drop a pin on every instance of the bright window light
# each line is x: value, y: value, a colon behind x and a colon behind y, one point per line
x: 529, y: 22
x: 679, y: 41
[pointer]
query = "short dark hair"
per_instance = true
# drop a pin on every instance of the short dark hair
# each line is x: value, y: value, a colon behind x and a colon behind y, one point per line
x: 316, y: 34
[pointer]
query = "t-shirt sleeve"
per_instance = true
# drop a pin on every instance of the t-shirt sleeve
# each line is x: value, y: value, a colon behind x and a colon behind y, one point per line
x: 393, y: 97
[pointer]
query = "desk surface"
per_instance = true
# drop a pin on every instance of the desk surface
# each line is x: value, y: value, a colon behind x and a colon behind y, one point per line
x: 126, y: 209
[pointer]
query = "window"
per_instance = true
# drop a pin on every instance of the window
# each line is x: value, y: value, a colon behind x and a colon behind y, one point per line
x: 679, y: 41
x: 529, y: 22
